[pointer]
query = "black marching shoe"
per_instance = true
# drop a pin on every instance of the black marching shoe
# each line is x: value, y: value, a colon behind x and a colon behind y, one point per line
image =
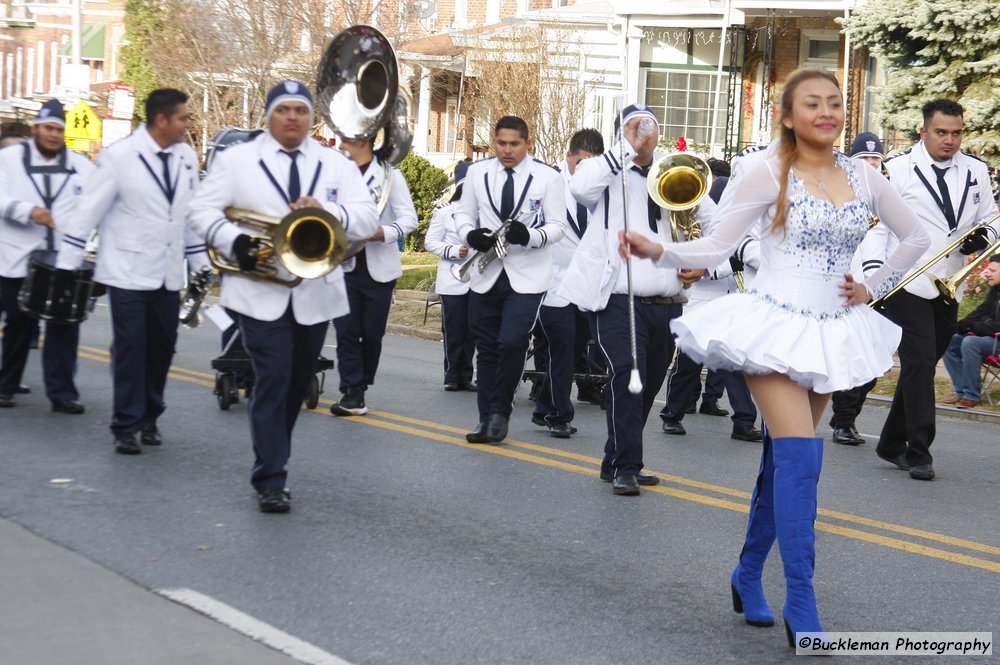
x: 351, y: 404
x: 899, y: 460
x: 673, y: 427
x: 125, y: 444
x: 150, y: 435
x: 469, y: 387
x: 561, y: 430
x: 274, y: 500
x: 922, y: 472
x: 496, y: 428
x: 478, y: 434
x: 626, y: 485
x: 692, y: 408
x: 7, y: 401
x: 642, y: 478
x: 23, y: 390
x: 69, y: 406
x: 847, y: 436
x: 710, y: 407
x: 746, y: 433
x: 451, y: 387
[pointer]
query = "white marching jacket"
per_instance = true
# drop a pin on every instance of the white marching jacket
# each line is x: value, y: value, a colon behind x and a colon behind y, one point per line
x: 398, y: 219
x: 563, y: 251
x: 443, y: 241
x: 239, y: 178
x: 539, y: 205
x: 144, y: 237
x: 972, y: 199
x: 21, y: 192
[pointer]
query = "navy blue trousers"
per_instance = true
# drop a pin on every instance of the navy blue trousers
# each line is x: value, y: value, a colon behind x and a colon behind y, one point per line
x: 58, y: 354
x: 627, y: 413
x: 501, y: 322
x: 144, y: 325
x: 283, y: 355
x: 558, y: 326
x: 459, y: 344
x: 360, y: 331
x: 684, y: 383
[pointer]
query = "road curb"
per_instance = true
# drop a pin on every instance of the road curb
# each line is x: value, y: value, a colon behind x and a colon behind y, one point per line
x: 947, y: 411
x: 410, y: 331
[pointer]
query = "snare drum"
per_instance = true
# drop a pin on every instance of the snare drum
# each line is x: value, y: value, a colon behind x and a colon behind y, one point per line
x: 60, y: 296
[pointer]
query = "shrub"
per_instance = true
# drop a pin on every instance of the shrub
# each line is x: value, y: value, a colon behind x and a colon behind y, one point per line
x: 426, y: 183
x: 417, y: 279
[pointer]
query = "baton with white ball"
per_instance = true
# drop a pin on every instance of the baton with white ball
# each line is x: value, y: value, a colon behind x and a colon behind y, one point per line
x: 634, y: 382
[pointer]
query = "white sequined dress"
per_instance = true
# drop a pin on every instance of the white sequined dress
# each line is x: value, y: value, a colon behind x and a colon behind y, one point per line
x: 793, y: 320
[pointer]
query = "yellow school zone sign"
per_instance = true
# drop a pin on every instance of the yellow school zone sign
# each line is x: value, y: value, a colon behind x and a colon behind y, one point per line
x: 83, y: 127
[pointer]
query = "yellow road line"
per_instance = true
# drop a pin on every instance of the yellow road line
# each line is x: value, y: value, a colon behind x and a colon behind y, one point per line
x: 508, y: 451
x: 678, y: 480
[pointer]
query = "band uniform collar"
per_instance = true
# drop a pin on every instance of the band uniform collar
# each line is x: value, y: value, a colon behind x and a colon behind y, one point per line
x: 947, y: 164
x: 150, y: 143
x: 519, y: 168
x: 272, y: 147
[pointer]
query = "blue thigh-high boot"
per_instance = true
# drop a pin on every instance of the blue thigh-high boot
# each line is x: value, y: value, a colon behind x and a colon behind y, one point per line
x: 797, y: 463
x: 748, y: 591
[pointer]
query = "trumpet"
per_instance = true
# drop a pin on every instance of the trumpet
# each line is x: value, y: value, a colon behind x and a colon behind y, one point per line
x: 308, y: 243
x: 483, y: 259
x: 947, y: 287
x: 198, y: 285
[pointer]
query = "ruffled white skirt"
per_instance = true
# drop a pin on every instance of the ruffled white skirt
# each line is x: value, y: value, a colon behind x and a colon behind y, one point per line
x: 824, y: 349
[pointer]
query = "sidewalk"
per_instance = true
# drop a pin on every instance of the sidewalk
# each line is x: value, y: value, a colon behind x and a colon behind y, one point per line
x: 62, y: 608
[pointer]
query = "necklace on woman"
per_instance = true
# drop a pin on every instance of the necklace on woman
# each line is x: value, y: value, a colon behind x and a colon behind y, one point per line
x: 819, y: 181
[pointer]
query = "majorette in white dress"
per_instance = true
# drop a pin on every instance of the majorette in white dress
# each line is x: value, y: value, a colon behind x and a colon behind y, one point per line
x: 793, y: 321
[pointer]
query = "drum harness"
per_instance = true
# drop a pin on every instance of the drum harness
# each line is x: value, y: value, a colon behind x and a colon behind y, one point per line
x: 48, y: 198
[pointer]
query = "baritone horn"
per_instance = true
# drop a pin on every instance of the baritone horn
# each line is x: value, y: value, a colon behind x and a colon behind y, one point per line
x: 679, y: 182
x: 308, y: 243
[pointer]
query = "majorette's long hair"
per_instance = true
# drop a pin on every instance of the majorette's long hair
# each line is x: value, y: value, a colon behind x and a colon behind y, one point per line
x: 789, y: 148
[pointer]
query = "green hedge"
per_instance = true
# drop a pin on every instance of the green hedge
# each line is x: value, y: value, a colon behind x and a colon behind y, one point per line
x: 426, y: 183
x: 417, y: 279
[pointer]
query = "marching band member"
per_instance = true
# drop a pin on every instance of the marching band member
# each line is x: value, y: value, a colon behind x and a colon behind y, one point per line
x: 950, y: 193
x: 138, y: 197
x: 792, y: 332
x: 557, y: 317
x: 370, y: 280
x: 40, y: 185
x: 684, y: 378
x: 596, y: 281
x: 442, y: 240
x: 847, y: 404
x: 283, y: 328
x: 526, y: 196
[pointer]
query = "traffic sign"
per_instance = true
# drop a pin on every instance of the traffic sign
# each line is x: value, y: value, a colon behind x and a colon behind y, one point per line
x: 82, y: 124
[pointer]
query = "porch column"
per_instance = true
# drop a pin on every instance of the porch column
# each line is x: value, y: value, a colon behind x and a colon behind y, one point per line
x: 421, y: 131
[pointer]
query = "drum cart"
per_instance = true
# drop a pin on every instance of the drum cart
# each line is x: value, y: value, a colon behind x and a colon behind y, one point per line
x: 234, y: 373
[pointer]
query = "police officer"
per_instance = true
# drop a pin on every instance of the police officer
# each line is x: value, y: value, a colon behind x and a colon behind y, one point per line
x: 138, y: 198
x: 511, y: 187
x: 597, y: 281
x: 370, y: 279
x: 283, y: 328
x: 558, y: 318
x: 949, y: 192
x: 40, y: 186
x: 442, y: 240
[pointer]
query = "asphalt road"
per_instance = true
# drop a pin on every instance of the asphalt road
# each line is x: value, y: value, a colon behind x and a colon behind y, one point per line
x: 407, y: 545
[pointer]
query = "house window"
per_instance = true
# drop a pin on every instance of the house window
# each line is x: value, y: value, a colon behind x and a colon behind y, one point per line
x: 819, y: 49
x: 492, y: 11
x: 685, y: 103
x: 461, y: 14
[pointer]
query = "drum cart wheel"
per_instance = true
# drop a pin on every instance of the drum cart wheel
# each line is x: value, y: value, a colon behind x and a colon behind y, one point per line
x: 226, y: 390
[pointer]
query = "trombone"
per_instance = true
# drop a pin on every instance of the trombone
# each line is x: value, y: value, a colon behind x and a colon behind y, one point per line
x: 948, y: 287
x: 308, y: 242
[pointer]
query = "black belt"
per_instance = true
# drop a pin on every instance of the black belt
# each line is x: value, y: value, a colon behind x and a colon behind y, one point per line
x: 661, y: 300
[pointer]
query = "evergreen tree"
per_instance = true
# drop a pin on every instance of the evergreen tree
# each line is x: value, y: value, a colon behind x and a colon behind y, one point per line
x: 934, y: 49
x: 143, y: 28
